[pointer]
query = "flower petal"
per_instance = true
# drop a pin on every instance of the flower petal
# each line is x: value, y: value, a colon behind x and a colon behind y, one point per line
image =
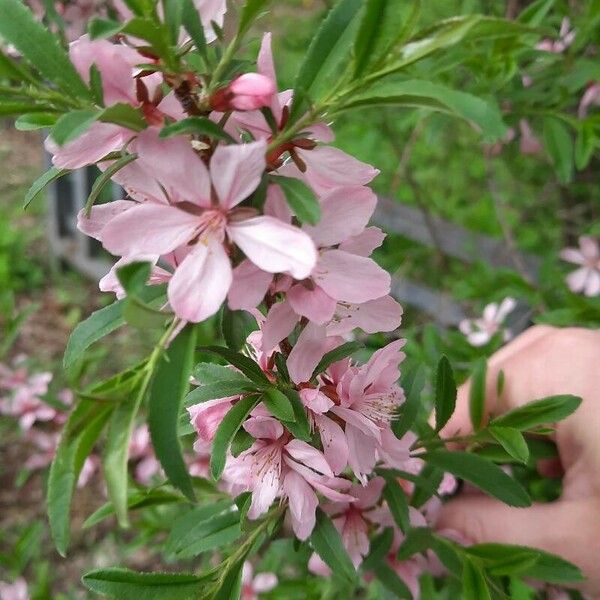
x: 280, y: 322
x: 351, y: 278
x: 335, y: 446
x: 308, y: 456
x: 250, y: 284
x: 200, y: 284
x: 313, y: 304
x: 310, y: 348
x: 274, y: 246
x: 382, y: 314
x: 236, y: 171
x: 303, y: 504
x: 364, y: 243
x: 99, y: 216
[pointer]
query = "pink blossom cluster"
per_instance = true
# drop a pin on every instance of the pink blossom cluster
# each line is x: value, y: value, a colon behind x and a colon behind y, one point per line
x: 586, y: 278
x: 480, y: 331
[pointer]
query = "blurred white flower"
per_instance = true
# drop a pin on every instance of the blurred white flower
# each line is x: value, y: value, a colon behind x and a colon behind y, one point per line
x: 586, y: 279
x: 480, y: 331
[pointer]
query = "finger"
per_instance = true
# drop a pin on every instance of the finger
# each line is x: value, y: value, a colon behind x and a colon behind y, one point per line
x: 568, y: 529
x: 503, y: 360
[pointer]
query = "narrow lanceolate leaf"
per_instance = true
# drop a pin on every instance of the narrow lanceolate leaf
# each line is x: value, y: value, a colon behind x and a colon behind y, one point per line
x: 130, y: 585
x: 278, y: 404
x: 19, y: 27
x: 559, y: 145
x: 512, y: 441
x: 412, y: 384
x: 190, y: 19
x: 40, y: 184
x: 71, y: 125
x: 384, y: 24
x: 103, y: 28
x: 168, y: 388
x: 80, y: 434
x: 378, y: 551
x: 207, y: 373
x: 484, y: 115
x: 417, y: 540
x: 250, y: 11
x: 398, y: 504
x: 196, y: 126
x: 301, y: 199
x: 11, y: 69
x: 391, y: 581
x: 445, y: 393
x: 105, y: 178
x: 246, y: 365
x: 229, y: 426
x: 33, y: 121
x: 216, y: 391
x: 329, y: 50
x: 477, y: 394
x: 541, y: 412
x: 116, y: 452
x: 327, y: 543
x: 236, y: 326
x: 337, y: 354
x: 482, y: 473
x: 299, y: 427
x: 125, y: 115
x: 474, y: 583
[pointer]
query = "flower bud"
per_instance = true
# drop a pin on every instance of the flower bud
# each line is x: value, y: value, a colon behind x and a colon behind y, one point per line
x: 248, y: 92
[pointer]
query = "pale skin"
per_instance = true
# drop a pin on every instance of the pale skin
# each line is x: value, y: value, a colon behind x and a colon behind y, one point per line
x: 544, y: 361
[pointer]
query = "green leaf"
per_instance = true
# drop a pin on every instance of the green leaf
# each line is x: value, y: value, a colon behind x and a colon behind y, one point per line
x: 445, y: 393
x: 541, y: 412
x: 135, y: 501
x: 231, y: 586
x: 124, y: 115
x: 71, y: 125
x: 40, y: 184
x: 413, y: 383
x: 124, y: 584
x: 418, y: 93
x: 397, y: 502
x: 477, y: 393
x: 80, y: 434
x: 380, y: 546
x: 547, y: 567
x: 391, y: 581
x: 426, y: 486
x: 474, y: 583
x: 241, y: 442
x: 384, y: 24
x: 512, y: 441
x: 335, y: 355
x: 327, y: 543
x: 206, y: 373
x: 536, y: 11
x: 18, y: 26
x: 169, y: 386
x: 299, y: 427
x: 193, y: 25
x: 226, y: 431
x: 103, y: 28
x: 246, y: 365
x: 301, y: 199
x: 33, y: 121
x: 196, y: 126
x: 329, y: 49
x: 106, y: 177
x: 250, y: 12
x: 236, y: 326
x: 417, y: 540
x: 482, y: 473
x: 559, y: 145
x: 157, y: 36
x: 12, y: 70
x: 116, y: 453
x: 216, y: 391
x: 502, y: 560
x: 278, y: 404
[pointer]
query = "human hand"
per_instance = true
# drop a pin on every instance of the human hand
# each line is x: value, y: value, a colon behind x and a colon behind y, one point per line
x: 543, y: 361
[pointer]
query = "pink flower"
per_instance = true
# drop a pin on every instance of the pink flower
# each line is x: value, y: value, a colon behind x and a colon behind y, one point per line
x: 253, y: 585
x: 279, y: 466
x: 247, y: 92
x: 141, y: 452
x: 480, y: 331
x: 14, y: 591
x: 368, y: 397
x: 529, y: 143
x: 24, y: 400
x: 197, y: 228
x: 586, y: 279
x: 117, y: 66
x: 591, y: 97
x: 207, y: 416
x: 566, y: 36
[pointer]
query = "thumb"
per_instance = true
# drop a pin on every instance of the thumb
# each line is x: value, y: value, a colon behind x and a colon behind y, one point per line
x: 566, y: 528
